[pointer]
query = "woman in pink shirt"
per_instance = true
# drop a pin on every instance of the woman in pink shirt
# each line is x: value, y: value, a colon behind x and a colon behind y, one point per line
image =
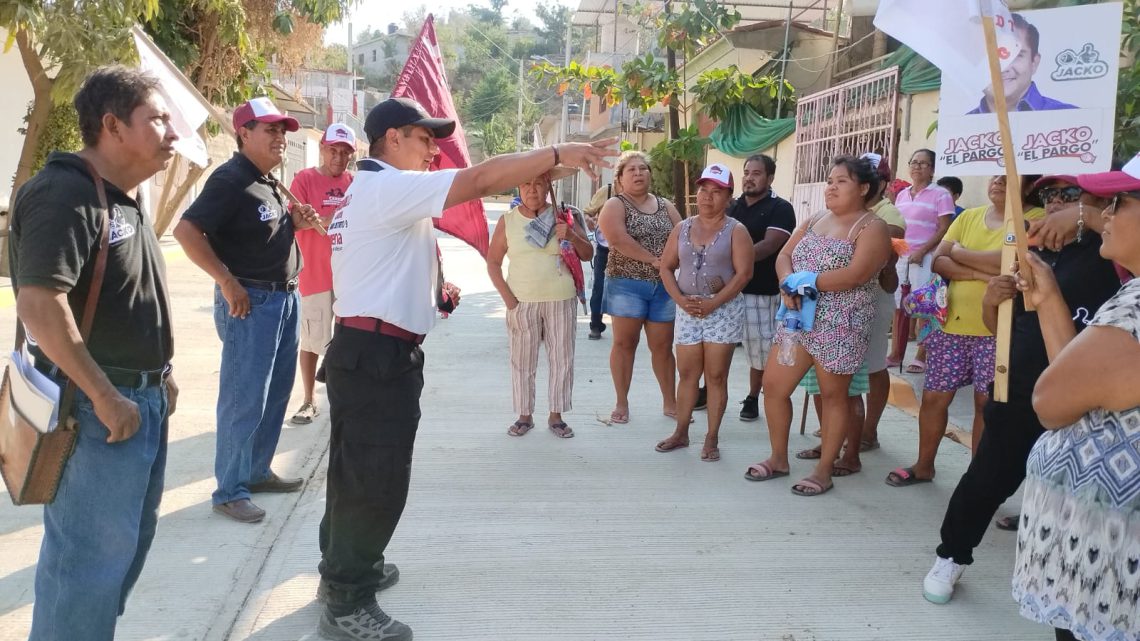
x: 928, y: 210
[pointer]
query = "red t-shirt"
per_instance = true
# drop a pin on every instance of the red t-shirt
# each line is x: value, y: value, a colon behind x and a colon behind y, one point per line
x: 325, y: 194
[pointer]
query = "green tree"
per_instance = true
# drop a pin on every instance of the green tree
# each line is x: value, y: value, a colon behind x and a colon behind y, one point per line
x: 221, y: 45
x: 643, y: 82
x: 496, y: 93
x: 333, y: 57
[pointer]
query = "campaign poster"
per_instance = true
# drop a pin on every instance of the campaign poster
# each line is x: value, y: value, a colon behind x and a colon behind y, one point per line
x: 1060, y: 90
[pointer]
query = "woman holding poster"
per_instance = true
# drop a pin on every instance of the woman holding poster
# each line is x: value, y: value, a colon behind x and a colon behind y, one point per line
x: 1078, y: 550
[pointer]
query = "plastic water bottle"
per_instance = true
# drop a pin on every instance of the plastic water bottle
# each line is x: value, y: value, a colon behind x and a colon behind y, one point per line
x: 792, y: 323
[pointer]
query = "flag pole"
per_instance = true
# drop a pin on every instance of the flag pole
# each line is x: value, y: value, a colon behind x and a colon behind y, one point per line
x: 216, y: 113
x: 1014, y: 217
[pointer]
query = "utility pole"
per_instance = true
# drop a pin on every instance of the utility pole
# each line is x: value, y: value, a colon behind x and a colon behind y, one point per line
x: 680, y: 197
x: 784, y: 63
x: 565, y: 101
x: 518, y: 119
x: 835, y: 45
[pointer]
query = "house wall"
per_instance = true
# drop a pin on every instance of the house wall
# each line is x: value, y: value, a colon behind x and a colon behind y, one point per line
x: 17, y: 95
x: 920, y: 113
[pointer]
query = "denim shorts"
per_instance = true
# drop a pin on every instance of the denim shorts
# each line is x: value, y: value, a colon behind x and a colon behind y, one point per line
x: 634, y: 298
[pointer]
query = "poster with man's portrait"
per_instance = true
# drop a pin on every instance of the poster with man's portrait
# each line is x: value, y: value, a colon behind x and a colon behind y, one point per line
x: 1060, y: 90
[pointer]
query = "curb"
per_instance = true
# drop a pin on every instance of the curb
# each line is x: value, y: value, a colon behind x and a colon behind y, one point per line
x: 903, y: 397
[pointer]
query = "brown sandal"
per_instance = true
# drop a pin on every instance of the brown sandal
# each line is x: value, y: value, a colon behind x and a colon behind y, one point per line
x: 520, y: 428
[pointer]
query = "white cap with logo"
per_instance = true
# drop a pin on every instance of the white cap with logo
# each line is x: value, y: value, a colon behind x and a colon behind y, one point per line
x: 341, y: 134
x: 717, y: 174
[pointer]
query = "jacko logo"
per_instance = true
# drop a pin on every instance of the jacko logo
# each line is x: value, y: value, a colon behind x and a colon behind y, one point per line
x: 120, y: 228
x: 267, y: 212
x: 1079, y: 65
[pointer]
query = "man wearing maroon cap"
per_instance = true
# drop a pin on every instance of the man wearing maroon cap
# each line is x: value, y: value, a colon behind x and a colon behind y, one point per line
x: 240, y: 231
x: 323, y: 187
x: 386, y: 275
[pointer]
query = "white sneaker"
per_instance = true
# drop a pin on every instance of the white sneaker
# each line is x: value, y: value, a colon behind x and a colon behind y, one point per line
x: 938, y: 586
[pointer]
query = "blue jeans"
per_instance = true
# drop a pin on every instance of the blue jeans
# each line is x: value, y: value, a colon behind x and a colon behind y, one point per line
x: 601, y: 257
x: 259, y: 361
x: 99, y: 529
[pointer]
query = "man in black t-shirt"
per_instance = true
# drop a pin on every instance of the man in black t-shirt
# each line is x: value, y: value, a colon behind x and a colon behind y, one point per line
x: 770, y: 221
x: 100, y: 526
x: 1086, y: 281
x: 240, y: 231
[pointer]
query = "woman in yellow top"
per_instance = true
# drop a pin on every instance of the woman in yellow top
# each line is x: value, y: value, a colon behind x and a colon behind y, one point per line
x: 963, y: 352
x: 540, y: 298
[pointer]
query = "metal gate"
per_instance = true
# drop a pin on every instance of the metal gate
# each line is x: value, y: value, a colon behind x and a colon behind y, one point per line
x: 852, y: 118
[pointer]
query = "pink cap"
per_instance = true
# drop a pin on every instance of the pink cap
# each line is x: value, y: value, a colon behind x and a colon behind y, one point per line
x: 262, y: 110
x: 717, y: 174
x: 339, y: 134
x: 1110, y: 183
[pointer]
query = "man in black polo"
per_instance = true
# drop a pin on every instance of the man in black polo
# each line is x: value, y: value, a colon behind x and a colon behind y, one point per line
x: 770, y: 221
x: 240, y: 232
x: 100, y: 526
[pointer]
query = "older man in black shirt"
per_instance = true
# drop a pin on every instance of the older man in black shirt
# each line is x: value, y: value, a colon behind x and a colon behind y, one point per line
x: 100, y: 526
x: 240, y: 232
x: 770, y: 221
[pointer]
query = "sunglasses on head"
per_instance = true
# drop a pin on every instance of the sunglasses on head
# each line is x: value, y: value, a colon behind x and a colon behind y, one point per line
x: 1111, y: 209
x: 1070, y: 194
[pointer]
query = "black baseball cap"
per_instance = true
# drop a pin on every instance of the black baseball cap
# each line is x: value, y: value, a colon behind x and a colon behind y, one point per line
x: 394, y: 113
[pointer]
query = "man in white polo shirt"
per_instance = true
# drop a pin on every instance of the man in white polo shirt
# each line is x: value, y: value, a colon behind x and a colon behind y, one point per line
x: 386, y: 275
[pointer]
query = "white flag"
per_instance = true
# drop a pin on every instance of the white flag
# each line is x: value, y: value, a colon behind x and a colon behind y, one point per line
x: 187, y: 113
x: 949, y: 34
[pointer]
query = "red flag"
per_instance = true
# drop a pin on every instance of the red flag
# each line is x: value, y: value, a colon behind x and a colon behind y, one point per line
x: 424, y: 80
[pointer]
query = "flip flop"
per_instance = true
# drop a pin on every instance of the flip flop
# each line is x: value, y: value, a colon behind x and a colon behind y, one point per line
x: 766, y: 473
x: 711, y: 455
x: 619, y: 418
x: 868, y: 446
x: 1008, y: 523
x: 810, y: 487
x: 903, y: 477
x: 561, y: 430
x: 916, y: 367
x: 810, y: 454
x: 520, y: 428
x: 841, y: 470
x: 667, y: 446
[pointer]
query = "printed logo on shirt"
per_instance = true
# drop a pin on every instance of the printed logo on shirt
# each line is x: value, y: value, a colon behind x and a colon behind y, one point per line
x: 338, y: 224
x: 1082, y: 316
x: 120, y: 228
x: 333, y: 197
x: 268, y: 212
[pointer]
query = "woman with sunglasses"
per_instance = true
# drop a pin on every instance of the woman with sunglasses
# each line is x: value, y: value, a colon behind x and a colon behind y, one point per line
x: 1078, y: 548
x: 1086, y: 281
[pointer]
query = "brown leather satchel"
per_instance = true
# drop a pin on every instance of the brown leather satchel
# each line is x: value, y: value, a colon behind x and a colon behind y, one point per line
x: 32, y: 461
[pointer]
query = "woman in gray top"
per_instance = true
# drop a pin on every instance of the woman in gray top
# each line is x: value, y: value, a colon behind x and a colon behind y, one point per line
x: 706, y: 263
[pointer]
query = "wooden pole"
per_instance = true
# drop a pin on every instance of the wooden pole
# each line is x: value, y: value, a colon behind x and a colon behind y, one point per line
x: 1014, y: 217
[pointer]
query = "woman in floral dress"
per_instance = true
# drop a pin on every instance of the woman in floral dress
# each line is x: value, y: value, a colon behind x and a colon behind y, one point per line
x: 842, y: 248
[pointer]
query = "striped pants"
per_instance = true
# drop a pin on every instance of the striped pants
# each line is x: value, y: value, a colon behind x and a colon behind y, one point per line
x: 554, y: 324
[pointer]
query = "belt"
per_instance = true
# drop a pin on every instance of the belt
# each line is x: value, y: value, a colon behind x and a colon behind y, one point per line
x: 377, y: 326
x: 119, y: 377
x: 289, y: 286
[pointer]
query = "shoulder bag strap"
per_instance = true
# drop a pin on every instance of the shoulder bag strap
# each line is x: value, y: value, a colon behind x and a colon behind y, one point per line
x: 67, y: 399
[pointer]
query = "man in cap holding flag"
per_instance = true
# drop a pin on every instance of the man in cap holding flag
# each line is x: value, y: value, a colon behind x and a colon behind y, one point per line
x: 386, y: 275
x: 240, y: 232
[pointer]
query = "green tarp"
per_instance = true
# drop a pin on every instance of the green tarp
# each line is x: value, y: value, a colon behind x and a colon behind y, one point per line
x: 916, y: 74
x: 745, y: 132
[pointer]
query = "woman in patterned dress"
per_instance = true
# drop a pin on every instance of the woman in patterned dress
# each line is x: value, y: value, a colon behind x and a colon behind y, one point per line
x: 637, y: 223
x: 1078, y: 545
x: 845, y: 246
